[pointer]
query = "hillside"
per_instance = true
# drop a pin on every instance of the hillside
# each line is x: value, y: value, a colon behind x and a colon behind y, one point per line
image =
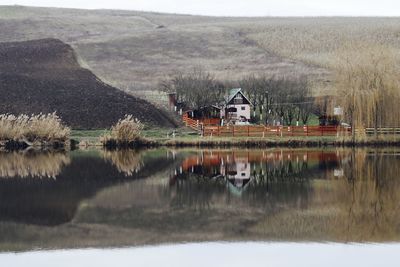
x: 135, y: 50
x: 44, y: 76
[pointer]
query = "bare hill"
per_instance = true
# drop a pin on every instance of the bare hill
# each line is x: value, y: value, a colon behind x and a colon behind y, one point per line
x: 44, y: 76
x: 134, y: 50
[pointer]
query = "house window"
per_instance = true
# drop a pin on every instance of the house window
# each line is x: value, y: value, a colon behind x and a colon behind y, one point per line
x: 243, y: 108
x: 238, y: 99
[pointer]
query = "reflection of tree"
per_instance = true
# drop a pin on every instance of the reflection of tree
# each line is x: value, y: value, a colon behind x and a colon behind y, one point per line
x: 370, y: 196
x: 126, y: 161
x: 196, y: 191
x: 32, y: 164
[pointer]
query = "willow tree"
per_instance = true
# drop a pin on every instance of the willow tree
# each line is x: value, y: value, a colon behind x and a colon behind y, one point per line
x: 367, y: 82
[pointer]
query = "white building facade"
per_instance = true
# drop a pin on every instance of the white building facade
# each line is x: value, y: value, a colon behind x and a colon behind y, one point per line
x: 237, y: 109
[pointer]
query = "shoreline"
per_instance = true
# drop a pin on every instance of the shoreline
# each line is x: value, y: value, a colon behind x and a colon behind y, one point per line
x: 74, y: 144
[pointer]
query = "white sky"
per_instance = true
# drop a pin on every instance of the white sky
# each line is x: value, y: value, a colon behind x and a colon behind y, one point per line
x: 235, y: 7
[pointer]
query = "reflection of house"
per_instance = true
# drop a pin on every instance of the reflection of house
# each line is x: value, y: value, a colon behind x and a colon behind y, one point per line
x: 237, y: 173
x: 237, y: 109
x: 238, y: 167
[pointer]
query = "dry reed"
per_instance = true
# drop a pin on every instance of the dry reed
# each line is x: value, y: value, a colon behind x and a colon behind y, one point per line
x: 126, y: 131
x: 33, y: 129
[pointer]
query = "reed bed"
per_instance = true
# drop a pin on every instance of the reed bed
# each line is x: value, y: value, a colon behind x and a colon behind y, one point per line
x: 126, y: 133
x: 33, y: 130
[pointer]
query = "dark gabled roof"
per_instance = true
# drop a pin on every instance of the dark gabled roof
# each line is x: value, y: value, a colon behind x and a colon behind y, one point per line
x: 233, y: 92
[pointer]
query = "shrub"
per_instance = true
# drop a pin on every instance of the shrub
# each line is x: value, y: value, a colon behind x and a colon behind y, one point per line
x: 34, y: 128
x: 125, y: 131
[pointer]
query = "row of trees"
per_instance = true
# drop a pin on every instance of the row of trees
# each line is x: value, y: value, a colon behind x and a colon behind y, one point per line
x: 273, y: 99
x: 279, y: 99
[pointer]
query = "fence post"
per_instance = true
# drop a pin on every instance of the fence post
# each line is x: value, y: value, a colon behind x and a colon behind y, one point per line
x: 248, y: 131
x: 233, y: 130
x: 218, y: 130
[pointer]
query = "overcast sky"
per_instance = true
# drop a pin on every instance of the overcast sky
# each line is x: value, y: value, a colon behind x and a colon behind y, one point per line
x: 235, y: 7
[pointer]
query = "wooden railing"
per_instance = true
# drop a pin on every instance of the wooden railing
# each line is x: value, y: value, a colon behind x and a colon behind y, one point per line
x: 199, y: 124
x: 383, y: 131
x: 189, y: 122
x: 264, y: 131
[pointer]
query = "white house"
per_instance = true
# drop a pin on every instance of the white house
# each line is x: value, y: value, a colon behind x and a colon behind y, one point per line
x: 237, y: 109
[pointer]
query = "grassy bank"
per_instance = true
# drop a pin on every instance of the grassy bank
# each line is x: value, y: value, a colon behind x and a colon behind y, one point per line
x: 184, y: 137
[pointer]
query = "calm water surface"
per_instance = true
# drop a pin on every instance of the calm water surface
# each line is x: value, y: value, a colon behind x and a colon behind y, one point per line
x: 280, y: 200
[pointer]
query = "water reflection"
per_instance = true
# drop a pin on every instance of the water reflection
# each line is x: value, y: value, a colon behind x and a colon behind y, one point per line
x: 31, y: 163
x: 126, y: 198
x: 77, y: 176
x: 126, y: 161
x: 257, y: 169
x: 369, y: 195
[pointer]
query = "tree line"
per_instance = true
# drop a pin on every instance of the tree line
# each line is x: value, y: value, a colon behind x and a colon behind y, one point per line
x: 274, y: 100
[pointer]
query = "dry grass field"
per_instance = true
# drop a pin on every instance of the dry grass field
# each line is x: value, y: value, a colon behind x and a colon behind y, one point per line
x: 135, y: 50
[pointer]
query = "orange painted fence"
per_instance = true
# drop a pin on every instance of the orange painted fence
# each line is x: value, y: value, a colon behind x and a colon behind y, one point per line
x: 198, y: 124
x: 264, y: 131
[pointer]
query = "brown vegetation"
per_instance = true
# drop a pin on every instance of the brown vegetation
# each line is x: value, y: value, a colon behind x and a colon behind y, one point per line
x: 368, y: 87
x: 42, y: 129
x: 125, y: 133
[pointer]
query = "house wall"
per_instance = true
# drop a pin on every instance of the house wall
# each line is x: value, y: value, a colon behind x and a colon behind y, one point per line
x: 245, y: 113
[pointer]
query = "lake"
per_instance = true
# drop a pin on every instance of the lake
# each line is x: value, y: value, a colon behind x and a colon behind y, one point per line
x: 332, y: 203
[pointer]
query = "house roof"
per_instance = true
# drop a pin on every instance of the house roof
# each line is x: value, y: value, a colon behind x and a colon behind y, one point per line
x: 233, y: 92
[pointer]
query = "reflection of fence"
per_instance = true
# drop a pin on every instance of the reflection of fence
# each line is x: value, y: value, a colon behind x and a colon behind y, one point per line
x: 263, y: 131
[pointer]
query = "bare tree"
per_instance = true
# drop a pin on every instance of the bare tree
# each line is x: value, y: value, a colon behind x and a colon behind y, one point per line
x: 196, y: 89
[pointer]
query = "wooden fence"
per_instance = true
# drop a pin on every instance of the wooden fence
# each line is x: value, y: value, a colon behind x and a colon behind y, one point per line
x: 383, y: 131
x: 264, y: 131
x: 189, y: 122
x: 199, y: 124
x: 210, y: 127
